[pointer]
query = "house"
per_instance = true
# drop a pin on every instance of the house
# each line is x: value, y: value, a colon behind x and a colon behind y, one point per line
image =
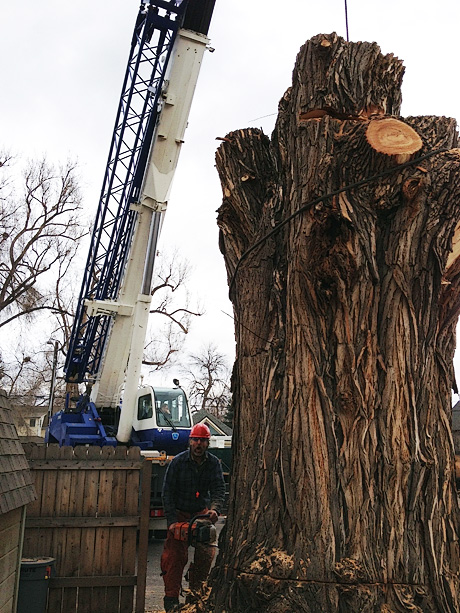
x: 30, y: 423
x: 221, y: 434
x: 221, y: 438
x: 16, y: 492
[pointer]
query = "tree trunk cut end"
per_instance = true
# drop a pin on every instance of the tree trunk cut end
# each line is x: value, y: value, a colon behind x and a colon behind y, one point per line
x: 393, y: 137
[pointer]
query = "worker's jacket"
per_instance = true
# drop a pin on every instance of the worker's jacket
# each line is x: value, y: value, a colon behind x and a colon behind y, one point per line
x: 190, y: 487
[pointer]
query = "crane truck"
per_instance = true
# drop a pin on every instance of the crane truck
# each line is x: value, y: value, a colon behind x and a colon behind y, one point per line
x: 108, y: 336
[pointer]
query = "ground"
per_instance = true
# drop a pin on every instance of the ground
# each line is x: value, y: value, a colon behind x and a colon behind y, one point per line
x: 154, y: 591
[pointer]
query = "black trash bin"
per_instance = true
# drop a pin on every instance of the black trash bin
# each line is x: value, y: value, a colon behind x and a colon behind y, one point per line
x: 33, y: 584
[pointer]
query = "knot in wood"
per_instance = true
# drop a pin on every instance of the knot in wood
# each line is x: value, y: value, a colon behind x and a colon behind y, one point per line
x: 412, y: 187
x: 325, y: 42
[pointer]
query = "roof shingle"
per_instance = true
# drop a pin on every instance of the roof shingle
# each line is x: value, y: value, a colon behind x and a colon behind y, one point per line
x: 16, y: 486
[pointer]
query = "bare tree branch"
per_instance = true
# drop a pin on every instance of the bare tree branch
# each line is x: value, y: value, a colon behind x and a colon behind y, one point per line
x: 176, y: 320
x: 209, y: 381
x: 170, y: 299
x: 40, y: 229
x: 39, y: 233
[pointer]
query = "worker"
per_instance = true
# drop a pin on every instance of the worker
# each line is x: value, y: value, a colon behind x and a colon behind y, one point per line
x: 165, y: 410
x: 193, y: 485
x: 164, y: 416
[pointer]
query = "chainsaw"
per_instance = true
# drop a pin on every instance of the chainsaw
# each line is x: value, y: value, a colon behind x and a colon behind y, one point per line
x: 198, y: 530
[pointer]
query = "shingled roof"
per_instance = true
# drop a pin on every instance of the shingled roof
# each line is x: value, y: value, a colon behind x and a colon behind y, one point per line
x: 16, y: 486
x: 203, y: 415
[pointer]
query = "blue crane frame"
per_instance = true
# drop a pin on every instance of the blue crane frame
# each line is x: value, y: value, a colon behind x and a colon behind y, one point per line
x: 139, y: 108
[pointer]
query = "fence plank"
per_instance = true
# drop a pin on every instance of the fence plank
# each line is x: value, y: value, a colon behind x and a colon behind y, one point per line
x: 85, y: 465
x: 129, y: 534
x: 116, y: 537
x: 88, y: 543
x: 113, y: 594
x: 33, y: 508
x: 61, y: 509
x: 104, y: 507
x: 146, y: 477
x: 85, y: 593
x: 73, y: 541
x: 48, y: 541
x: 128, y: 561
x: 100, y: 547
x: 45, y: 537
x: 92, y: 581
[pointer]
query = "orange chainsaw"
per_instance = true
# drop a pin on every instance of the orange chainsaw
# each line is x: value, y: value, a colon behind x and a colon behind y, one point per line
x: 198, y: 530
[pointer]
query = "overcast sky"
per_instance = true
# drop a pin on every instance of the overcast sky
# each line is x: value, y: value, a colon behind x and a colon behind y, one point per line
x: 62, y: 65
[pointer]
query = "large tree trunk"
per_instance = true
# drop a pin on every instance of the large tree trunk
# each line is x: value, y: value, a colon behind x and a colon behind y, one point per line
x: 343, y: 493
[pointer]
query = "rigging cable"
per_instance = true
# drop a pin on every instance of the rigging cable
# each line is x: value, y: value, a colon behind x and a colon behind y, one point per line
x: 346, y: 20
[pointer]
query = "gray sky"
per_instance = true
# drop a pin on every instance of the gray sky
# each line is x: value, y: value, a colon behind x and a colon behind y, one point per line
x: 62, y: 69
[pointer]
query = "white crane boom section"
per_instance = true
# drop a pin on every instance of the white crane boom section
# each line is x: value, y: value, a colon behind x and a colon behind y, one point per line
x: 124, y: 351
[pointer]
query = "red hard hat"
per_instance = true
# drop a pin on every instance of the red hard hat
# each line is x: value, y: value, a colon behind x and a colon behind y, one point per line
x: 200, y: 431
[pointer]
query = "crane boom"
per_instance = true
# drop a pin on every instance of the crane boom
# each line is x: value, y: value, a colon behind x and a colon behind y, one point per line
x: 113, y: 226
x: 108, y: 336
x: 127, y: 337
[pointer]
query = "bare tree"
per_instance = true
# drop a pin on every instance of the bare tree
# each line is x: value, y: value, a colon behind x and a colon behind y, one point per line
x: 27, y: 378
x: 39, y: 234
x: 41, y: 225
x: 208, y: 378
x: 171, y: 301
x: 40, y: 231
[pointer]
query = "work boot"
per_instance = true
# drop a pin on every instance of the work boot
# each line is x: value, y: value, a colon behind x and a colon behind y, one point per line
x: 171, y: 603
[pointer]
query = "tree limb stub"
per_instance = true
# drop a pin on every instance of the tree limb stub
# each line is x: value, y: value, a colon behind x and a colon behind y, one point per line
x: 353, y: 79
x: 345, y: 315
x: 393, y: 137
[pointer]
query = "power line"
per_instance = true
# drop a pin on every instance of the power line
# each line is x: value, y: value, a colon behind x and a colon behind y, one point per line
x: 263, y: 117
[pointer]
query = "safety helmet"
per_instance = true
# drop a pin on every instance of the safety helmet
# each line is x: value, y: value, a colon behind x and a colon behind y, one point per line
x: 200, y: 431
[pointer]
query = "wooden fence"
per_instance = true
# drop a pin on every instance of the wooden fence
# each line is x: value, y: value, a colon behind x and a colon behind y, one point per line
x: 92, y: 516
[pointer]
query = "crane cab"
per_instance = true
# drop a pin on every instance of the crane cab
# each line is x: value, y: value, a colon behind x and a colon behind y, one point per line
x: 162, y: 421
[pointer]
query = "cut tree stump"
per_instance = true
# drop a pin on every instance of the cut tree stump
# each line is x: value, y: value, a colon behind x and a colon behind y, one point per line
x: 346, y: 299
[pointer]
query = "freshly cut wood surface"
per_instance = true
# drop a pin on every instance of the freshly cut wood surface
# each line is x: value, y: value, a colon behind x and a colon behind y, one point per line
x: 392, y: 137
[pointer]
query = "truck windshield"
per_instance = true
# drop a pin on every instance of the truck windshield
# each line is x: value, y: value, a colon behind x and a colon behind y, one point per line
x: 171, y: 408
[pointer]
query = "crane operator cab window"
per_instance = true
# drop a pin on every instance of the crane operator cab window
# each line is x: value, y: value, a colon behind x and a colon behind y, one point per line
x: 171, y: 409
x: 144, y: 407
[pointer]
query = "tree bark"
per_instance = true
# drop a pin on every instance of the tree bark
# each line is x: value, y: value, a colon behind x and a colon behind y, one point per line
x: 343, y: 493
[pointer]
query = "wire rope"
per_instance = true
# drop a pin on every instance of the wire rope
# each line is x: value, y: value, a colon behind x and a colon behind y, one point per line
x: 346, y: 20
